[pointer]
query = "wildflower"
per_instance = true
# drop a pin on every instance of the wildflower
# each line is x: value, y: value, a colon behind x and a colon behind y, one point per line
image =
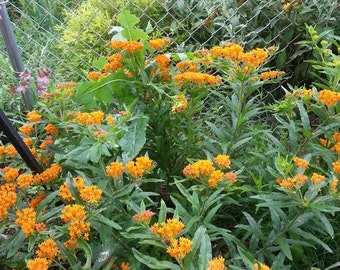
x: 179, y: 248
x: 230, y: 51
x: 222, y: 161
x: 145, y: 162
x: 217, y: 264
x: 300, y: 179
x: 48, y: 141
x: 201, y: 167
x: 157, y: 44
x: 328, y: 97
x: 115, y: 63
x: 10, y: 174
x: 134, y: 169
x: 334, y: 184
x: 79, y: 229
x: 169, y: 229
x: 300, y: 162
x: 317, y: 178
x: 47, y: 249
x: 91, y: 194
x: 40, y: 227
x: 49, y: 174
x: 110, y: 120
x: 94, y: 76
x: 145, y: 216
x: 230, y: 176
x: 336, y: 136
x: 2, y: 150
x: 97, y: 117
x: 33, y: 116
x: 115, y: 169
x: 215, y: 177
x: 8, y: 198
x: 28, y: 141
x: 10, y: 151
x: 25, y: 180
x: 51, y: 129
x: 180, y: 104
x: 74, y: 212
x: 197, y: 78
x: 125, y: 266
x: 336, y: 148
x: 26, y: 129
x: 128, y: 46
x: 38, y: 263
x: 336, y: 166
x: 128, y: 73
x: 26, y: 220
x: 261, y: 266
x: 162, y: 60
x: 254, y: 58
x: 273, y: 74
x: 287, y: 183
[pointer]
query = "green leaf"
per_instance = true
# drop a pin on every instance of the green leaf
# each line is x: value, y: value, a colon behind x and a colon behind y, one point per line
x: 205, y: 252
x: 304, y: 116
x: 107, y: 221
x: 162, y: 212
x: 153, y: 263
x: 16, y: 243
x: 285, y: 247
x: 99, y: 63
x: 134, y: 139
x: 88, y: 252
x: 129, y: 21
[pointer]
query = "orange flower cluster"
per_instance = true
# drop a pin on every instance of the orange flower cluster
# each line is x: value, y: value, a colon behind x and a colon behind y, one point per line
x: 110, y: 120
x: 8, y: 198
x: 127, y: 46
x: 33, y: 116
x: 254, y: 58
x: 179, y: 248
x: 187, y: 66
x: 273, y: 74
x: 317, y: 178
x: 51, y: 129
x: 261, y: 266
x: 46, y: 142
x: 38, y: 263
x: 26, y: 129
x: 37, y: 200
x: 125, y: 266
x: 334, y: 184
x: 180, y: 104
x: 336, y: 166
x: 206, y: 170
x: 78, y: 228
x: 217, y: 264
x: 163, y: 63
x: 145, y: 216
x: 230, y: 51
x: 168, y: 230
x: 48, y: 175
x: 115, y: 63
x: 47, y: 249
x: 115, y: 169
x: 41, y: 227
x: 159, y: 43
x: 10, y: 151
x: 25, y: 180
x: 290, y: 182
x: 26, y: 220
x: 300, y: 162
x: 10, y: 174
x: 95, y: 75
x: 328, y: 97
x: 91, y: 194
x: 139, y: 167
x: 197, y: 78
x: 89, y: 119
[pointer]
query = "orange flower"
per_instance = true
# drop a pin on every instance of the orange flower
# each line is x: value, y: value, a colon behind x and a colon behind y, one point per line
x: 33, y: 116
x: 47, y: 249
x: 48, y: 175
x: 336, y: 136
x: 328, y: 97
x: 48, y: 141
x: 145, y: 162
x: 25, y: 180
x: 197, y: 78
x: 300, y: 162
x: 37, y: 200
x: 230, y: 176
x: 115, y: 63
x: 10, y: 174
x: 115, y: 169
x: 91, y: 194
x: 254, y: 58
x: 334, y: 184
x: 28, y: 141
x: 169, y: 229
x: 73, y: 212
x: 8, y: 198
x: 336, y: 166
x: 287, y: 183
x: 10, y: 151
x: 94, y: 76
x: 261, y: 266
x: 180, y: 104
x: 179, y: 248
x: 128, y: 46
x: 110, y: 120
x: 145, y: 216
x: 26, y: 129
x: 40, y: 227
x: 51, y: 129
x: 317, y: 178
x: 125, y: 266
x: 215, y: 177
x: 159, y: 43
x: 231, y: 51
x: 222, y: 161
x: 273, y: 74
x: 26, y: 220
x: 217, y: 264
x: 162, y: 60
x: 134, y: 169
x: 38, y: 264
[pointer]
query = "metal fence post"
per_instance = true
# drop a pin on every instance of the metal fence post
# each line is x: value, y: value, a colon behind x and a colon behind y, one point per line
x: 13, y: 50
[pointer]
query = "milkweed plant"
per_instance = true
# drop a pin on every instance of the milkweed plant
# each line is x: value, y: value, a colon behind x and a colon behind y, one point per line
x: 175, y: 161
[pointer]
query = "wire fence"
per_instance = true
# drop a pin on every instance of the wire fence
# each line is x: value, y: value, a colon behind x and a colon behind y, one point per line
x: 65, y: 36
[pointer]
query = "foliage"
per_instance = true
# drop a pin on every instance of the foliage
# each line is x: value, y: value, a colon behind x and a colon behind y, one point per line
x: 172, y: 161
